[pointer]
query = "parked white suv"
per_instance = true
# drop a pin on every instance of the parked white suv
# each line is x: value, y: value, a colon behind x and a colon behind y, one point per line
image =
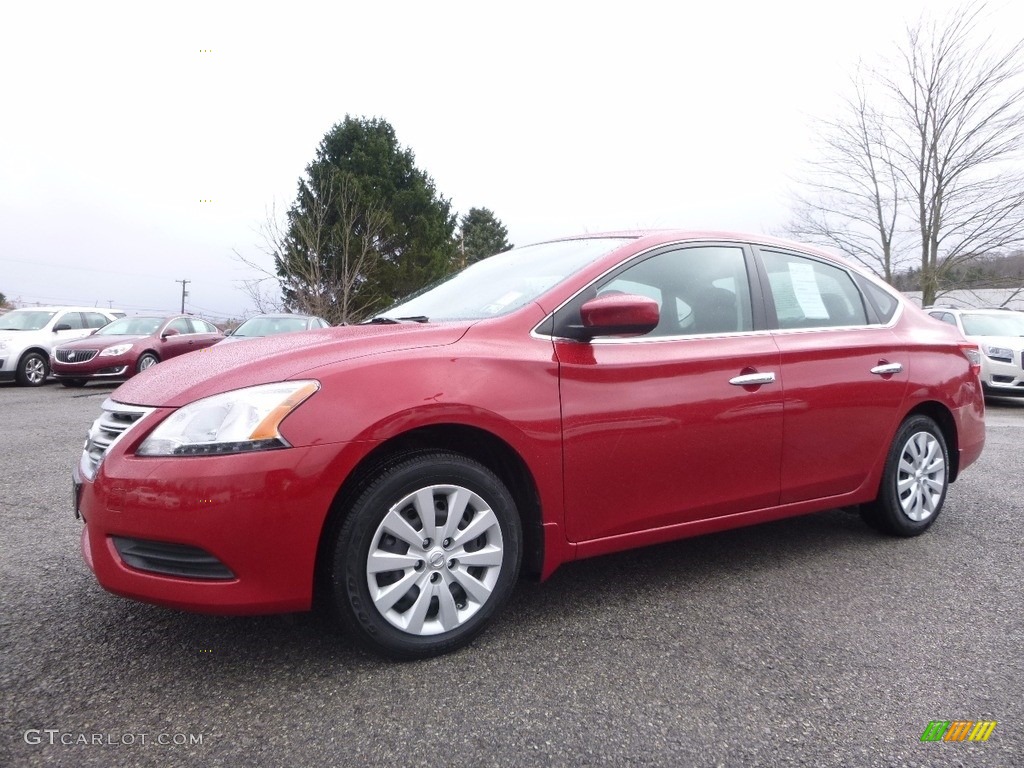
x: 1000, y: 335
x: 27, y: 336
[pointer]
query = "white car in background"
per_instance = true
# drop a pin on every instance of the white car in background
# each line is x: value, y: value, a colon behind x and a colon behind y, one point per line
x: 27, y: 335
x: 1000, y: 335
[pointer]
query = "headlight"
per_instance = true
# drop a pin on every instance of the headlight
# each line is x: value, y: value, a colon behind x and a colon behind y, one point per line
x: 234, y: 422
x: 120, y: 349
x: 998, y: 353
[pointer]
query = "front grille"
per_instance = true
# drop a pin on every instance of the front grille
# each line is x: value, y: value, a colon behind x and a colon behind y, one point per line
x: 110, y: 427
x: 75, y: 355
x: 171, y: 559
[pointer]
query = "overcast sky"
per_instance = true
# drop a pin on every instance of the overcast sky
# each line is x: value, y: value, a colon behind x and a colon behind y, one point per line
x: 145, y: 143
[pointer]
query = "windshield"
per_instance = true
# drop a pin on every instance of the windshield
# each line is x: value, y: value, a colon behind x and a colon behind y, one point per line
x: 993, y: 323
x: 505, y: 282
x: 25, y: 320
x: 131, y: 326
x: 268, y: 326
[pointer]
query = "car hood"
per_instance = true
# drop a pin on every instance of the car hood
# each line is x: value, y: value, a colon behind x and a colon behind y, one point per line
x: 224, y: 367
x: 99, y: 342
x: 1013, y: 342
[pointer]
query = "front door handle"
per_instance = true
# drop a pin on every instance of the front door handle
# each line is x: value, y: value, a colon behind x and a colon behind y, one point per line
x: 752, y: 379
x: 887, y: 369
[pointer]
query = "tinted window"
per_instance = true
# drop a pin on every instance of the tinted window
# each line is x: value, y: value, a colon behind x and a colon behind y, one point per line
x: 181, y: 325
x: 74, y: 319
x: 698, y: 290
x: 812, y: 294
x: 201, y: 326
x: 95, y: 319
x: 944, y: 317
x: 884, y: 302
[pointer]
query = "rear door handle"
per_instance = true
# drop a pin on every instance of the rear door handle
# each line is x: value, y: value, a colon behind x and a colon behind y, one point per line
x: 887, y: 369
x: 752, y: 379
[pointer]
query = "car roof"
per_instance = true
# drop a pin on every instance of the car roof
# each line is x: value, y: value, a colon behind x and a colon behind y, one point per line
x: 66, y: 309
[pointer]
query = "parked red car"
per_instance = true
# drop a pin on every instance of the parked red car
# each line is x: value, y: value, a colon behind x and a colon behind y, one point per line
x: 558, y: 401
x: 128, y: 346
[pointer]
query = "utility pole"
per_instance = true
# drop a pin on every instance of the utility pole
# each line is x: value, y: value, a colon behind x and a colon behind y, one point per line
x: 184, y: 293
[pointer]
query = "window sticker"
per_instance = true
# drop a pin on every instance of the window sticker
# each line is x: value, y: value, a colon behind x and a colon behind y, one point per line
x: 806, y: 291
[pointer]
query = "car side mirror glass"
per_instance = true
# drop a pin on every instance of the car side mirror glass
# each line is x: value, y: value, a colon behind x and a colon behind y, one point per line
x: 169, y: 332
x: 62, y: 327
x: 618, y: 315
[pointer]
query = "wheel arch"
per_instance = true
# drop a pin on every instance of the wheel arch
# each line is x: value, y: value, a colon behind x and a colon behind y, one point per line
x: 942, y: 416
x: 34, y: 348
x: 472, y: 442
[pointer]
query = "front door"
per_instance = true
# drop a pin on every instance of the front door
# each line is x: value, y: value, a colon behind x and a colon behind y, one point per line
x: 660, y: 429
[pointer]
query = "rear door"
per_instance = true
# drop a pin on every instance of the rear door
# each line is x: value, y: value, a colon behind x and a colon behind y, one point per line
x: 844, y: 375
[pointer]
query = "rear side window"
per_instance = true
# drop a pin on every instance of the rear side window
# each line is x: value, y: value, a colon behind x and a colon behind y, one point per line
x: 812, y: 294
x: 95, y: 319
x: 885, y: 303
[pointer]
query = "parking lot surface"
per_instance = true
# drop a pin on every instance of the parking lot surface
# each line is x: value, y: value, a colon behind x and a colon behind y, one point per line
x: 811, y: 641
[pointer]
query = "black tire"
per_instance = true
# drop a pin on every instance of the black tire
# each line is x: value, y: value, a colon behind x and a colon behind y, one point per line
x: 73, y: 383
x: 919, y: 460
x: 33, y: 368
x: 443, y: 602
x: 146, y: 359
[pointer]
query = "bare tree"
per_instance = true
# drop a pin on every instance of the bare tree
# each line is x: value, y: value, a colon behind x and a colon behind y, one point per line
x: 932, y: 146
x: 322, y: 258
x: 853, y: 201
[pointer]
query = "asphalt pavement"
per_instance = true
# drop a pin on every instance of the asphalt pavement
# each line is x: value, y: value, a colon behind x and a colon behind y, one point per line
x: 809, y: 642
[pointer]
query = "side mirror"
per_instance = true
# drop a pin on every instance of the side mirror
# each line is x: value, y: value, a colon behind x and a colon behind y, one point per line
x: 618, y: 315
x: 169, y: 332
x: 62, y: 327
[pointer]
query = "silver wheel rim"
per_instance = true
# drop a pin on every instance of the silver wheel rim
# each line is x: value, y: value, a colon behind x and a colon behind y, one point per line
x: 146, y: 362
x: 434, y: 560
x: 35, y: 370
x: 921, y: 479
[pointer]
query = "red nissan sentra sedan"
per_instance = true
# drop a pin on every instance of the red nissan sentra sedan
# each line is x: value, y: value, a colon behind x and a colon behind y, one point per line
x: 558, y: 401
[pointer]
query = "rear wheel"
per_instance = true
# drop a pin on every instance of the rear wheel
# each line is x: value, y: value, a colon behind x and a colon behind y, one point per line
x: 426, y: 556
x: 33, y: 369
x: 914, y: 482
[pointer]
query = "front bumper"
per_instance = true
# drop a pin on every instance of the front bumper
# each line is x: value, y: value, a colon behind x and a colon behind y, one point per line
x: 1002, y: 379
x: 242, y: 530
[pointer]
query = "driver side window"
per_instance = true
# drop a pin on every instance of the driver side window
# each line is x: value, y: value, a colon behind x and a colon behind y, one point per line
x: 699, y: 290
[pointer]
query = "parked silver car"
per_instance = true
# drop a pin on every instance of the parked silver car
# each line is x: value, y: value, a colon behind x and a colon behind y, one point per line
x: 271, y: 325
x: 28, y: 335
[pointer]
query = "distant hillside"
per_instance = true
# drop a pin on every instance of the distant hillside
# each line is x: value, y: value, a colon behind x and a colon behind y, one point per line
x: 1005, y: 271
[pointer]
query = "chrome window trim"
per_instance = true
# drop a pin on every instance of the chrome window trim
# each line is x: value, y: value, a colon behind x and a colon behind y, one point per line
x: 743, y: 244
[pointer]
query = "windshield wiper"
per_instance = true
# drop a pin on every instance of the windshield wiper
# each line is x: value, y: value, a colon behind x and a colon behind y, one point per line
x: 382, y: 320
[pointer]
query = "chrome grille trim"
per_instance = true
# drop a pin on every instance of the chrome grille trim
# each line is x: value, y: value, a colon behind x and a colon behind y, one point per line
x: 75, y: 355
x: 113, y: 424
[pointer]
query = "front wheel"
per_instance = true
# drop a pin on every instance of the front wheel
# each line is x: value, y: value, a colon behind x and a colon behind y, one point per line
x: 146, y: 360
x: 33, y: 370
x: 426, y: 556
x: 914, y: 482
